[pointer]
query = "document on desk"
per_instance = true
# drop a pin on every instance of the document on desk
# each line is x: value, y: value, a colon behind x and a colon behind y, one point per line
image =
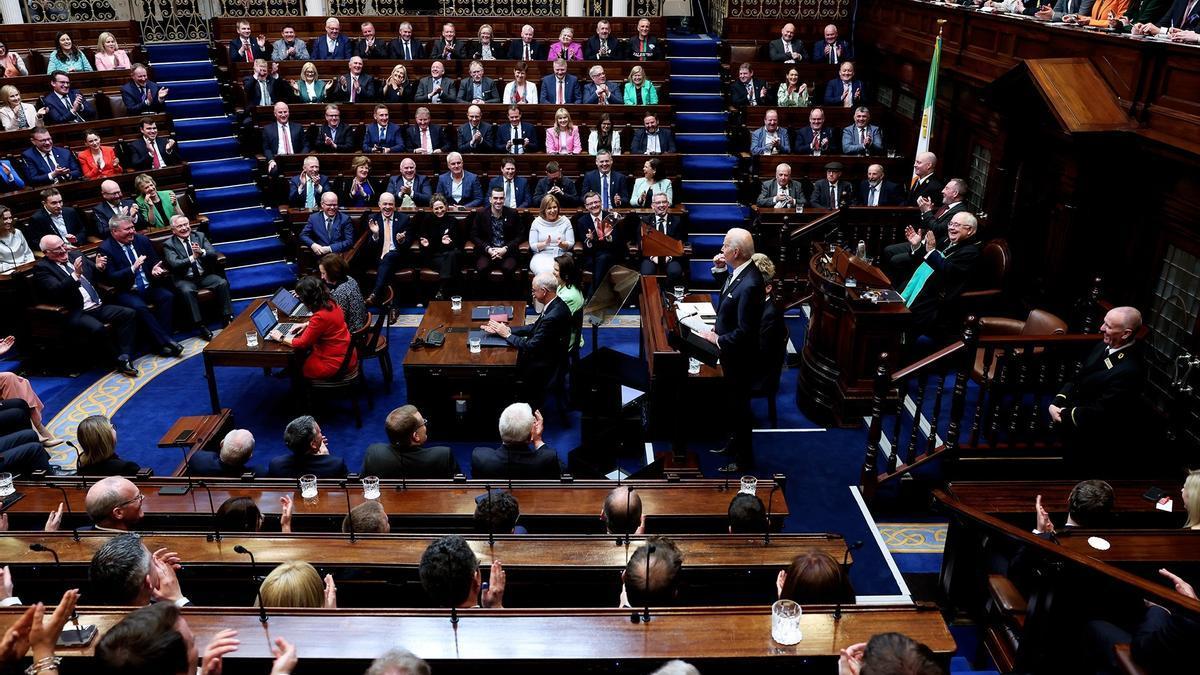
x: 697, y: 316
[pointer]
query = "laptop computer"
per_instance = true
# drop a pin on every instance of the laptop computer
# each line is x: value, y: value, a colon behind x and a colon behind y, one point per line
x: 287, y: 303
x: 264, y: 322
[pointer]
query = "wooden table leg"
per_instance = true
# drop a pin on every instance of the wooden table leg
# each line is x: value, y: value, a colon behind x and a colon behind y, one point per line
x: 212, y: 385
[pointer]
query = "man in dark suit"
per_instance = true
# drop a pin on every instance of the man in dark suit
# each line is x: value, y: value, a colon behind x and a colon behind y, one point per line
x: 310, y: 454
x: 140, y: 279
x: 391, y: 238
x: 941, y: 273
x: 897, y: 261
x: 612, y: 186
x: 54, y: 218
x: 524, y: 454
x: 652, y: 140
x: 475, y: 88
x: 877, y: 191
x: 787, y: 49
x: 382, y: 136
x: 516, y: 137
x: 832, y: 49
x: 149, y: 151
x: 816, y: 138
x: 245, y: 47
x: 542, y: 345
x: 497, y: 233
x: 354, y: 86
x: 554, y: 184
x: 924, y: 183
x: 605, y: 243
x: 140, y: 95
x: 526, y: 48
x: 404, y: 47
x: 1162, y: 642
x: 782, y: 192
x: 305, y: 189
x: 410, y: 188
x: 333, y: 46
x: 447, y: 46
x: 600, y: 91
x: 845, y: 91
x: 476, y: 135
x: 772, y: 336
x: 602, y: 46
x: 21, y: 449
x: 65, y: 277
x: 368, y: 47
x: 329, y: 231
x: 436, y: 87
x: 559, y: 88
x: 514, y: 188
x: 46, y: 164
x: 113, y: 203
x: 230, y: 461
x: 332, y: 136
x: 644, y: 46
x: 64, y: 104
x: 472, y: 191
x: 283, y: 137
x: 672, y: 226
x: 831, y: 192
x: 736, y: 335
x: 405, y: 454
x: 264, y: 88
x: 192, y: 261
x: 748, y: 90
x: 425, y: 138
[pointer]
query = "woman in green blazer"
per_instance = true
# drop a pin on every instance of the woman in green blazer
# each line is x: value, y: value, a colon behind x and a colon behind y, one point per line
x: 310, y: 88
x: 157, y: 206
x: 639, y: 90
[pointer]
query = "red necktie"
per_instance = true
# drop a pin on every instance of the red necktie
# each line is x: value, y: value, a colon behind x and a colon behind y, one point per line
x: 287, y: 139
x: 249, y: 52
x: 153, y: 146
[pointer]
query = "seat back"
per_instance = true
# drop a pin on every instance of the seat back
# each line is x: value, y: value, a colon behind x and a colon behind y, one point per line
x: 994, y: 264
x: 1041, y: 322
x: 116, y: 105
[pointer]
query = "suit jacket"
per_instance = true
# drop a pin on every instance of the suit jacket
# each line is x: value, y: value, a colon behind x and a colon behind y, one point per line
x: 820, y: 194
x: 438, y: 49
x: 614, y: 93
x: 554, y: 144
x: 466, y: 90
x: 653, y: 51
x: 833, y: 92
x: 739, y: 98
x: 548, y: 90
x: 819, y: 55
x: 953, y: 270
x: 270, y: 136
x: 342, y: 50
x: 55, y: 286
x: 379, y: 50
x: 472, y: 191
x: 437, y: 139
x: 502, y: 134
x: 421, y: 193
x: 279, y: 50
x: 136, y: 104
x: 119, y: 271
x: 401, y: 222
x: 177, y: 256
x: 402, y: 94
x: 293, y: 466
x: 520, y: 191
x: 57, y: 113
x: 516, y: 50
x: 1101, y: 393
x: 616, y: 244
x: 11, y: 179
x: 280, y: 91
x: 852, y: 140
x: 342, y: 136
x: 465, y: 136
x: 568, y: 197
x: 415, y: 47
x: 256, y: 52
x: 388, y: 461
x: 804, y: 141
x: 591, y: 49
x: 297, y: 199
x: 775, y: 50
x: 1080, y: 7
x: 666, y: 141
x: 739, y: 320
x: 513, y: 230
x: 931, y: 187
x: 426, y: 86
x: 542, y: 345
x: 37, y: 169
x: 103, y: 212
x: 1164, y: 640
x: 340, y: 237
x: 40, y: 225
x: 1173, y: 16
x: 758, y: 141
x: 91, y: 170
x: 208, y: 462
x: 139, y: 153
x: 517, y: 461
x: 772, y: 345
x: 619, y: 183
x: 938, y: 220
x: 392, y: 137
x: 368, y: 89
x: 890, y: 193
x: 770, y: 188
x: 318, y: 94
x: 675, y: 228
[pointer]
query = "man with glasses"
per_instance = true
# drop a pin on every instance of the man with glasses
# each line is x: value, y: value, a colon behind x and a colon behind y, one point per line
x: 142, y: 281
x: 114, y: 203
x: 65, y: 104
x: 114, y: 504
x: 405, y: 454
x: 46, y: 164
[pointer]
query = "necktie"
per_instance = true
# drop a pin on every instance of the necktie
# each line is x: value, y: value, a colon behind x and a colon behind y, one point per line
x: 382, y: 135
x: 264, y: 96
x: 329, y: 229
x: 509, y: 199
x: 310, y: 197
x: 353, y: 89
x: 832, y: 53
x: 286, y: 139
x: 138, y: 278
x: 155, y: 159
x: 518, y: 146
x: 560, y: 99
x: 846, y: 98
x: 425, y: 144
x: 53, y: 164
x: 873, y: 200
x: 866, y: 139
x: 247, y: 51
x: 604, y: 191
x: 407, y: 51
x: 816, y: 140
x: 750, y: 92
x: 662, y: 224
x: 526, y: 57
x: 21, y: 121
x: 197, y: 266
x: 84, y: 283
x: 387, y: 236
x: 833, y: 195
x: 145, y: 95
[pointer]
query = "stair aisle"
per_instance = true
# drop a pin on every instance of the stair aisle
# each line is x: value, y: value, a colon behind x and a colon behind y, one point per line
x: 708, y: 190
x: 240, y: 226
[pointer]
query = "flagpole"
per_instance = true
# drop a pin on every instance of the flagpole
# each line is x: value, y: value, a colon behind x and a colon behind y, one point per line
x: 926, y: 129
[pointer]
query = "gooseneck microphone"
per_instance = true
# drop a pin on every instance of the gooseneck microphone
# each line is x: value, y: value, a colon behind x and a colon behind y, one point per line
x: 837, y: 609
x: 40, y: 548
x: 67, y: 503
x: 253, y: 563
x: 349, y: 516
x: 80, y: 635
x: 767, y: 531
x: 212, y: 510
x: 262, y: 606
x: 490, y: 524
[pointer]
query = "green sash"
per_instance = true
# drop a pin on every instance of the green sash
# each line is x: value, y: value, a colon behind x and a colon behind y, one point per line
x: 916, y: 283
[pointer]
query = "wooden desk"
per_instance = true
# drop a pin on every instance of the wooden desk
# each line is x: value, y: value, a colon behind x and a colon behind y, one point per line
x: 203, y: 430
x: 229, y: 349
x: 1004, y: 498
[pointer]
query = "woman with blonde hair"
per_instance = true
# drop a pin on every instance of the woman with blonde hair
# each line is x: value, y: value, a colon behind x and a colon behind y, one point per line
x: 566, y: 48
x: 563, y: 137
x: 16, y: 114
x: 550, y: 236
x: 109, y: 55
x: 310, y: 88
x: 1191, y: 499
x: 157, y: 206
x: 296, y: 584
x: 398, y: 88
x: 98, y: 449
x: 639, y: 90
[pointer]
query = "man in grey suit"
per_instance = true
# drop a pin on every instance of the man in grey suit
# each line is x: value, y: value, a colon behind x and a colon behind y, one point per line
x: 404, y: 455
x: 476, y: 88
x: 192, y: 261
x: 862, y: 137
x: 436, y: 88
x: 781, y: 193
x: 288, y: 48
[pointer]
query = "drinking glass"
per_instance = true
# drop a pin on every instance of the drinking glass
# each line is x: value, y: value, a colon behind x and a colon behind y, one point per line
x: 308, y: 486
x: 679, y: 292
x: 693, y: 366
x: 456, y: 302
x: 749, y: 485
x: 785, y: 622
x: 370, y: 486
x: 476, y: 345
x: 252, y: 339
x: 6, y: 484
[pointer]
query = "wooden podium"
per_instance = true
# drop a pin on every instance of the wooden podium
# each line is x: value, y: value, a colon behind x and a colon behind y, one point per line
x: 846, y: 334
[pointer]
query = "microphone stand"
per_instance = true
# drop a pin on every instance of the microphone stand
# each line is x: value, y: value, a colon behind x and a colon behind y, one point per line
x: 645, y: 617
x: 767, y: 531
x: 67, y: 502
x: 491, y: 527
x: 216, y: 533
x: 262, y: 606
x: 403, y: 478
x: 837, y: 609
x: 187, y: 471
x: 253, y: 563
x: 349, y: 516
x: 83, y: 634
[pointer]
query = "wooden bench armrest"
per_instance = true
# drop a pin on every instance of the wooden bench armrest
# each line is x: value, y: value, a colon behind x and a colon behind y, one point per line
x: 1006, y: 595
x: 1125, y: 660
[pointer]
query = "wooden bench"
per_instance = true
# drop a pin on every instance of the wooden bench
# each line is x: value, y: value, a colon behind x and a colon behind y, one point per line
x: 540, y: 116
x: 1013, y: 501
x: 37, y: 84
x: 429, y: 28
x: 87, y: 192
x: 531, y: 165
x: 41, y: 35
x: 500, y: 70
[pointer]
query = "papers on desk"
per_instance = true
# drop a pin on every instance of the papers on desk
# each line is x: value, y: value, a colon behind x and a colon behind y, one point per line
x: 697, y: 316
x: 486, y: 339
x: 494, y: 313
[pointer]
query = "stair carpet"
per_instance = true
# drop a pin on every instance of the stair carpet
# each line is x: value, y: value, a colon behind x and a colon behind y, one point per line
x: 240, y: 226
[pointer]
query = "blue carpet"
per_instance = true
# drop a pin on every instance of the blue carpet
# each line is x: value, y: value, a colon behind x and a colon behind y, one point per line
x: 204, y: 127
x: 695, y: 66
x: 709, y: 191
x: 206, y: 88
x: 201, y: 107
x: 705, y: 246
x: 705, y: 143
x: 699, y: 165
x: 695, y: 84
x: 699, y: 122
x: 219, y: 148
x: 185, y: 70
x: 716, y: 217
x: 180, y: 51
x: 220, y: 198
x: 698, y: 46
x: 245, y: 223
x: 252, y: 251
x: 249, y: 282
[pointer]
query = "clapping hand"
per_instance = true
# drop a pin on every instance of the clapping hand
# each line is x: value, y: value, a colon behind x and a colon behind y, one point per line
x: 224, y: 642
x: 53, y: 520
x: 285, y: 657
x: 930, y: 242
x: 912, y: 236
x: 101, y: 262
x: 851, y: 658
x: 158, y: 270
x: 493, y: 595
x: 330, y: 593
x: 446, y: 241
x: 285, y: 515
x: 1044, y: 524
x: 1182, y: 587
x: 137, y: 264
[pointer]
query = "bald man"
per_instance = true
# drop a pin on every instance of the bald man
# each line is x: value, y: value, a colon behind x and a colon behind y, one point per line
x: 114, y: 504
x: 113, y: 202
x: 622, y: 512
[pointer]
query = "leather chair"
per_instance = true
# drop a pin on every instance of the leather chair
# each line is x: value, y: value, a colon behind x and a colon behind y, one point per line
x: 1039, y: 322
x: 994, y: 264
x: 374, y: 337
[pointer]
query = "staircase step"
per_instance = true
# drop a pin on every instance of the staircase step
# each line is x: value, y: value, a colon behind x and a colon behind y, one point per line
x: 251, y: 251
x: 196, y: 107
x: 193, y: 88
x: 178, y: 51
x: 183, y: 70
x: 699, y: 122
x: 695, y: 84
x: 693, y: 164
x: 239, y: 224
x: 715, y: 217
x: 215, y: 148
x: 715, y: 143
x: 701, y: 274
x: 716, y: 191
x: 236, y: 196
x: 694, y: 65
x: 258, y: 280
x: 705, y: 246
x: 699, y: 46
x: 203, y: 127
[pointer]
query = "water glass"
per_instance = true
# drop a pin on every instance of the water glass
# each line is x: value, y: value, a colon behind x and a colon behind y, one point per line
x: 748, y: 486
x: 252, y: 339
x: 6, y: 484
x: 785, y: 622
x: 679, y: 293
x: 799, y: 206
x: 370, y: 485
x: 475, y: 344
x: 308, y: 486
x: 693, y: 366
x: 456, y: 302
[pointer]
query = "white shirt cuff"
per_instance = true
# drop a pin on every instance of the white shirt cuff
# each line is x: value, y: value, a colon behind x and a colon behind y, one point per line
x: 10, y: 601
x: 182, y: 601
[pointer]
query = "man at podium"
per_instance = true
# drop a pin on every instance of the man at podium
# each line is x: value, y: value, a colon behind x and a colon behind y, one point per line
x: 672, y: 226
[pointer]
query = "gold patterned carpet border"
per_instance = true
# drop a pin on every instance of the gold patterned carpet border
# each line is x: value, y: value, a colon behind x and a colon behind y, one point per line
x: 913, y: 537
x: 619, y: 321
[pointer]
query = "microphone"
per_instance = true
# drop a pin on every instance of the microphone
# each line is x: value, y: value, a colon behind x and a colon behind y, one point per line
x: 212, y: 510
x: 349, y: 517
x: 403, y: 479
x: 80, y: 635
x: 491, y: 527
x: 253, y: 563
x: 67, y: 502
x: 187, y: 471
x: 779, y: 481
x: 262, y: 606
x: 646, y: 612
x: 837, y: 609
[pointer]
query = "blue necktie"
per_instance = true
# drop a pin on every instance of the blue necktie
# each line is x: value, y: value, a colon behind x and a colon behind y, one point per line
x: 604, y: 192
x: 138, y: 277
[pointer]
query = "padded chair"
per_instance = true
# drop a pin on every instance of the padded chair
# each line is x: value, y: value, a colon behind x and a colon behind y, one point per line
x: 994, y: 264
x: 114, y: 106
x: 1039, y: 322
x: 347, y: 379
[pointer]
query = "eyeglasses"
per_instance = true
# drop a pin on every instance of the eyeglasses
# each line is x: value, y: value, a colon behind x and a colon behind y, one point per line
x: 138, y: 499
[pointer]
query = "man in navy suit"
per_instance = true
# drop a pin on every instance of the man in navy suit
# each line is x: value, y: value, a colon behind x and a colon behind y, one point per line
x: 816, y: 138
x: 306, y: 188
x: 368, y: 46
x: 382, y: 135
x: 672, y: 226
x: 46, y: 164
x: 845, y: 91
x: 650, y: 139
x: 748, y: 90
x: 475, y: 135
x: 140, y: 95
x: 736, y: 334
x: 831, y: 49
x: 328, y: 231
x: 333, y: 45
x: 516, y: 137
x: 332, y: 136
x: 405, y: 47
x: 447, y: 46
x: 541, y: 346
x: 309, y: 452
x: 149, y: 151
x: 553, y: 183
x: 425, y: 138
x: 354, y: 86
x: 524, y: 453
x: 472, y: 192
x: 600, y: 90
x: 64, y: 104
x: 526, y: 49
x: 114, y: 203
x: 391, y: 238
x: 283, y: 137
x: 514, y: 187
x: 603, y: 45
x: 475, y: 88
x: 245, y: 47
x: 410, y: 188
x: 140, y: 279
x: 230, y: 461
x: 875, y: 191
x: 612, y: 186
x: 263, y: 88
x: 54, y: 218
x: 559, y: 88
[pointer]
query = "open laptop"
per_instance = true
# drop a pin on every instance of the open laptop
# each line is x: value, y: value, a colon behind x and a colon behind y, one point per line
x: 264, y: 322
x: 287, y: 303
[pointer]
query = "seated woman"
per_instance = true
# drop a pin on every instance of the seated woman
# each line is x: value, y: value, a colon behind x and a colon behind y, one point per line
x: 550, y: 236
x: 296, y: 584
x: 570, y: 285
x: 15, y: 386
x: 241, y: 514
x: 14, y: 252
x: 13, y: 64
x: 1105, y: 13
x: 639, y: 90
x: 14, y: 114
x: 435, y: 241
x: 335, y: 272
x: 98, y: 449
x: 483, y: 48
x: 398, y: 88
x: 814, y: 578
x: 1190, y: 493
x: 361, y: 189
x: 157, y: 206
x: 650, y: 184
x: 565, y: 48
x: 520, y: 90
x: 98, y: 161
x: 109, y: 55
x: 67, y: 57
x: 325, y: 333
x: 792, y: 92
x: 563, y: 137
x: 603, y: 137
x: 310, y: 88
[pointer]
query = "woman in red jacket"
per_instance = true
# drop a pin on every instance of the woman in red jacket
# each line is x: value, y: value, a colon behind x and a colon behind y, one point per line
x: 325, y: 333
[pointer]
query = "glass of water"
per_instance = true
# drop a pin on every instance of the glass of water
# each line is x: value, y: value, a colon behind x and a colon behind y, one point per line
x: 475, y: 344
x: 785, y: 622
x: 308, y: 486
x: 6, y: 484
x: 456, y: 302
x: 749, y: 485
x: 252, y: 339
x: 693, y: 366
x: 679, y: 293
x: 370, y: 485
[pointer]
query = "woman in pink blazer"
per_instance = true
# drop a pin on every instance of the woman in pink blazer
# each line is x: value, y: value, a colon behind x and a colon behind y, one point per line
x: 565, y: 49
x: 563, y: 137
x: 98, y: 161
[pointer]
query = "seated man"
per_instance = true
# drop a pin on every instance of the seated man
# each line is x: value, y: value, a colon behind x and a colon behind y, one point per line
x: 141, y: 279
x: 877, y: 191
x: 411, y: 189
x: 747, y: 515
x: 541, y: 346
x: 497, y: 512
x: 151, y: 151
x: 382, y: 136
x: 283, y: 137
x: 613, y: 186
x: 64, y: 277
x: 368, y: 46
x: 845, y: 91
x: 524, y: 455
x: 942, y: 274
x: 516, y: 137
x: 64, y: 104
x: 287, y: 47
x: 553, y: 184
x: 600, y: 91
x: 559, y: 87
x: 782, y: 192
x: 54, y: 218
x: 748, y: 90
x: 769, y: 139
x: 192, y: 261
x: 46, y: 163
x: 1162, y: 642
x: 515, y: 188
x: 526, y: 48
x: 390, y: 240
x: 497, y: 233
x: 404, y: 47
x: 604, y: 242
x: 328, y: 231
x: 309, y: 453
x: 831, y: 192
x: 124, y: 573
x: 622, y: 512
x: 448, y: 46
x: 435, y: 88
x: 333, y: 46
x: 475, y: 88
x: 333, y: 136
x: 475, y: 135
x: 787, y: 49
x: 897, y: 261
x: 644, y: 46
x: 21, y: 449
x: 114, y: 504
x: 862, y: 137
x: 114, y: 203
x: 459, y: 186
x: 264, y: 87
x: 405, y: 454
x: 831, y: 49
x: 816, y: 138
x: 354, y: 86
x: 305, y: 189
x: 1181, y: 17
x: 425, y: 138
x: 367, y: 518
x: 672, y: 226
x: 652, y: 578
x: 230, y: 461
x: 142, y: 96
x: 246, y: 48
x: 449, y: 573
x: 603, y: 45
x: 650, y: 139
